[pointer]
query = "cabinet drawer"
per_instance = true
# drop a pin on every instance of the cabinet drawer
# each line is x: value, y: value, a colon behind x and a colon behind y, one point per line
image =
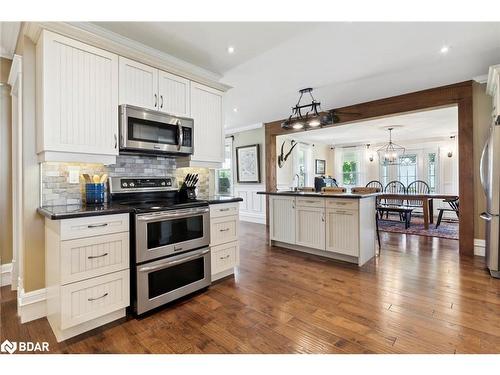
x: 350, y: 204
x: 224, y: 257
x: 224, y: 209
x: 88, y: 257
x: 310, y: 202
x: 223, y: 229
x: 94, y: 226
x: 93, y: 298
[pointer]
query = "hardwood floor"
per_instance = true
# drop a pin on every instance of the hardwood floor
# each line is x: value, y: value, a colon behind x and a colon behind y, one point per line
x: 417, y: 297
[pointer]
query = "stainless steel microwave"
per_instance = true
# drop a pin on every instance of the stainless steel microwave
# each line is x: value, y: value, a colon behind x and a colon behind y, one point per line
x: 144, y: 131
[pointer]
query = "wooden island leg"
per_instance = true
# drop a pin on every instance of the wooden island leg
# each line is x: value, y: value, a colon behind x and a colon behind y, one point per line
x: 425, y: 206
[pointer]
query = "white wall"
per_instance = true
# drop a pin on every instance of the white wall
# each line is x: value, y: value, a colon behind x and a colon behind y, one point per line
x: 253, y: 207
x: 285, y: 175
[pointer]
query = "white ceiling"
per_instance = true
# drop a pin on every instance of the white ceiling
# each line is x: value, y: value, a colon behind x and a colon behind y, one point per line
x: 205, y: 43
x: 8, y: 38
x: 346, y: 63
x: 410, y: 127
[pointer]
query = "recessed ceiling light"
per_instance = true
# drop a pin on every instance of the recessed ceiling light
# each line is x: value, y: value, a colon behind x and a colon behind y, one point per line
x: 230, y: 49
x: 235, y: 109
x: 444, y: 49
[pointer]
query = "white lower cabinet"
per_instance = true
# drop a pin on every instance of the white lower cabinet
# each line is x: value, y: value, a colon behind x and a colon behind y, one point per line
x: 342, y: 232
x: 282, y: 218
x: 338, y: 228
x: 224, y: 244
x: 310, y: 224
x: 87, y: 272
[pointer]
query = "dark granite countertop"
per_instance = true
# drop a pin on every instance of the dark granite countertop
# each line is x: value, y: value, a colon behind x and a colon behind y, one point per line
x: 318, y: 195
x: 216, y: 199
x: 74, y: 211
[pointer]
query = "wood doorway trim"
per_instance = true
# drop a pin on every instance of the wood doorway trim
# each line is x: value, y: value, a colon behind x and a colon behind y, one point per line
x: 459, y: 94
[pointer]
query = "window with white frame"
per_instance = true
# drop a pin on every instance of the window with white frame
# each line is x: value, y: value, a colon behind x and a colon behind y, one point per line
x: 224, y: 175
x: 431, y: 171
x: 351, y: 171
x: 407, y: 169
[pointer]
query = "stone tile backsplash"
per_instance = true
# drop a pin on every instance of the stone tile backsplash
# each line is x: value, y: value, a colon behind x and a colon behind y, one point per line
x: 56, y: 190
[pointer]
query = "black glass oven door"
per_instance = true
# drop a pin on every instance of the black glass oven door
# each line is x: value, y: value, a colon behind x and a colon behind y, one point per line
x: 172, y: 231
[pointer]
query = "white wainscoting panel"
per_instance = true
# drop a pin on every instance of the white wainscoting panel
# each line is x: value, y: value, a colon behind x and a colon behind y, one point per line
x: 253, y: 207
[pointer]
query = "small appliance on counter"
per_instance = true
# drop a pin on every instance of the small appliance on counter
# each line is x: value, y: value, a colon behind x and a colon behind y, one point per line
x: 188, y: 187
x: 169, y: 239
x: 324, y: 181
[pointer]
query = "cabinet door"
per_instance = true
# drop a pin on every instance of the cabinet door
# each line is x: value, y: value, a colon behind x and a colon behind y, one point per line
x: 206, y: 110
x: 310, y: 227
x: 174, y: 94
x: 77, y: 97
x: 138, y: 84
x: 342, y: 232
x: 282, y: 219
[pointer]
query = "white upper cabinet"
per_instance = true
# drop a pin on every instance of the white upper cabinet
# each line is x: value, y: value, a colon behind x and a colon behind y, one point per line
x: 77, y: 100
x: 207, y: 112
x: 138, y: 84
x: 173, y: 94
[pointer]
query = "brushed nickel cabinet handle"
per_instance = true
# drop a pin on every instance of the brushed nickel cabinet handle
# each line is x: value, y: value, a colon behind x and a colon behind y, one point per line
x: 97, y: 225
x: 222, y: 258
x: 161, y: 98
x: 97, y: 256
x: 156, y: 101
x: 224, y: 209
x: 116, y: 142
x: 223, y: 230
x: 96, y: 298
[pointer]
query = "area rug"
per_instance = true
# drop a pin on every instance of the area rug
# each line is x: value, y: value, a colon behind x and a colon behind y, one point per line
x: 447, y: 229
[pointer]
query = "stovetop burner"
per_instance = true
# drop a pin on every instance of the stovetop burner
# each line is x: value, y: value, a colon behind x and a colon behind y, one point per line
x: 150, y: 194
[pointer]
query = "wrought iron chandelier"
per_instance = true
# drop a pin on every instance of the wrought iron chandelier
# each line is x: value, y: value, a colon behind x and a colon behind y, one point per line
x: 391, y: 153
x: 312, y: 117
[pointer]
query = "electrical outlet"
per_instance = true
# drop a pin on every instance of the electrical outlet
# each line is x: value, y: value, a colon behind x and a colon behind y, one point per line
x: 74, y: 175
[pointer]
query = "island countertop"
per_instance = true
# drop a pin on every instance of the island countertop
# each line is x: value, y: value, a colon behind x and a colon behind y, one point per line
x: 318, y: 195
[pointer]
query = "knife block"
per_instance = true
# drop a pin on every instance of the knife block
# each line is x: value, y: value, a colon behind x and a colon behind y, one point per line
x: 187, y: 193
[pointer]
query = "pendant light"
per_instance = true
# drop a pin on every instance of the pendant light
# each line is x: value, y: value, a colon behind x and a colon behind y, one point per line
x: 312, y: 118
x: 391, y: 153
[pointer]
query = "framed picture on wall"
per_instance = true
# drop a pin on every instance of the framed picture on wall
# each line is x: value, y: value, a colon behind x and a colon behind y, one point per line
x: 248, y: 164
x: 320, y: 166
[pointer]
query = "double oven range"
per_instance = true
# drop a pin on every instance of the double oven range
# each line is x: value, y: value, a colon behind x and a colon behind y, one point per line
x: 169, y: 240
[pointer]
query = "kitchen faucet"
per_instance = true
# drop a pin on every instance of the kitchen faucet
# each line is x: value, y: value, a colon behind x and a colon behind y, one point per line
x: 296, y: 188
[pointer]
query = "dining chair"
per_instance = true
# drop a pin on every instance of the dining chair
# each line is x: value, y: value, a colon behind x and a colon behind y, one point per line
x: 375, y: 184
x: 417, y: 187
x: 454, y: 207
x: 333, y: 190
x: 395, y: 187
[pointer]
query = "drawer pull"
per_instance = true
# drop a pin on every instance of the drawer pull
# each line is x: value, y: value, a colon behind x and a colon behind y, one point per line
x: 97, y: 225
x: 223, y: 230
x: 227, y: 256
x: 96, y: 298
x: 224, y: 209
x: 97, y: 256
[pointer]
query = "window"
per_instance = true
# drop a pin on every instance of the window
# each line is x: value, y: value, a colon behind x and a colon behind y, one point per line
x: 224, y: 176
x: 384, y: 175
x: 431, y: 172
x: 301, y: 166
x: 350, y: 169
x: 407, y: 171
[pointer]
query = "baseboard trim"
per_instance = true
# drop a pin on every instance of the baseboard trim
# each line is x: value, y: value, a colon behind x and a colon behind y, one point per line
x: 479, y: 247
x: 31, y: 305
x: 253, y: 218
x: 6, y: 274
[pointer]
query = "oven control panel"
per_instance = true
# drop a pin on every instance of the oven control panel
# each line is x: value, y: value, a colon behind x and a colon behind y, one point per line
x: 131, y: 184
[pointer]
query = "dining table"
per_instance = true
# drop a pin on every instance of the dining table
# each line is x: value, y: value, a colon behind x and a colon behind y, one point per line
x: 427, y: 200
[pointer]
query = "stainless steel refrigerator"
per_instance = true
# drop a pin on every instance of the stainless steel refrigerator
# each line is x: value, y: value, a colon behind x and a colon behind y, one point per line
x: 490, y: 179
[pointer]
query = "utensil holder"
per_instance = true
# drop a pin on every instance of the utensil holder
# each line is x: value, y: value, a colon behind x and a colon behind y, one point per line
x: 94, y: 193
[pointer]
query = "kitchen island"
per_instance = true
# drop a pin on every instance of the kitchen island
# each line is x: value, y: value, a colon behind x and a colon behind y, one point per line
x: 339, y: 226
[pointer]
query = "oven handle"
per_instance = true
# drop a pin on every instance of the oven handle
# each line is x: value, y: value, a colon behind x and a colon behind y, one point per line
x: 174, y: 214
x: 173, y: 262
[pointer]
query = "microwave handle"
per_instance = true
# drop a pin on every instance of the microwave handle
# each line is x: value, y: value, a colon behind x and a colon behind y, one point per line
x: 180, y: 137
